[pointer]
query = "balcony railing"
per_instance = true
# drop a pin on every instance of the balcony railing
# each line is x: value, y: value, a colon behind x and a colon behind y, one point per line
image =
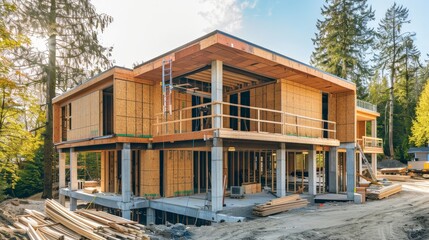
x: 255, y: 119
x: 366, y: 105
x: 370, y: 142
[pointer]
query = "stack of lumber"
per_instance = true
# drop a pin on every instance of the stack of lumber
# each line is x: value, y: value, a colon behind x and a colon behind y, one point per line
x: 401, y: 178
x: 380, y: 191
x: 60, y: 223
x: 278, y: 205
x: 398, y: 170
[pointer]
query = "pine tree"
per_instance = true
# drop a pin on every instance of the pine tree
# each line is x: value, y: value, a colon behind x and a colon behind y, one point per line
x: 405, y: 98
x: 343, y: 41
x: 390, y: 44
x: 420, y: 129
x: 74, y: 53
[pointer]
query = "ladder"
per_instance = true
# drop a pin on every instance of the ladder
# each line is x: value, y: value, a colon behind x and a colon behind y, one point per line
x: 368, y: 166
x: 167, y: 84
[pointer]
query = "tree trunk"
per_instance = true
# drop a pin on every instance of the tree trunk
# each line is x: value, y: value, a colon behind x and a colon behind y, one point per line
x: 391, y: 99
x: 49, y: 151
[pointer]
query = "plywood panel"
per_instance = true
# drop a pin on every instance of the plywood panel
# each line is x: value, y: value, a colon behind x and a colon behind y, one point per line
x: 85, y: 117
x: 150, y: 178
x: 178, y: 173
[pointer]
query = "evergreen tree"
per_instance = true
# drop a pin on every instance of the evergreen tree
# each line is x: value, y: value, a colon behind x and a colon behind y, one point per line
x: 405, y: 98
x: 390, y: 43
x: 73, y: 53
x: 343, y: 41
x: 420, y: 129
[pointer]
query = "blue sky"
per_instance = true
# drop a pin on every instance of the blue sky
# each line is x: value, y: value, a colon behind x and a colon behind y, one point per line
x: 145, y: 29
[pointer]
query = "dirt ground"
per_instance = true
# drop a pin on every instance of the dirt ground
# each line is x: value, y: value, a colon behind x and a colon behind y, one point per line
x: 402, y: 216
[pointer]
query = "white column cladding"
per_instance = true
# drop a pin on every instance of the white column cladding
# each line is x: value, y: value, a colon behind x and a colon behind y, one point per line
x: 126, y: 178
x: 281, y: 170
x: 333, y: 170
x: 73, y: 177
x: 351, y: 170
x: 217, y: 149
x: 217, y: 92
x: 62, y: 176
x: 312, y: 174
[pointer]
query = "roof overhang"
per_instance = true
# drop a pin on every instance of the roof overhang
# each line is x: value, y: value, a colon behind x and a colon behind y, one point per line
x: 243, y: 55
x: 363, y: 114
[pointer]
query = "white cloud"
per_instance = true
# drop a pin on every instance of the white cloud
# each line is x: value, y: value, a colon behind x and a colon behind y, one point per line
x: 142, y: 30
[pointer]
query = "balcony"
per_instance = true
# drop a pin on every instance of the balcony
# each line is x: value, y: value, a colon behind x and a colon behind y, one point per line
x: 371, y: 144
x: 366, y: 105
x: 244, y: 122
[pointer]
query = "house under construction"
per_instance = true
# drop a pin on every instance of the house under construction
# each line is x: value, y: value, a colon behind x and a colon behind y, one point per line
x: 174, y: 134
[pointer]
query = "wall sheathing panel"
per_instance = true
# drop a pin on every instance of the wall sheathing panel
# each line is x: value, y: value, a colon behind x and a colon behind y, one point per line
x: 178, y: 173
x: 85, y: 117
x: 149, y: 174
x: 133, y: 112
x: 346, y: 116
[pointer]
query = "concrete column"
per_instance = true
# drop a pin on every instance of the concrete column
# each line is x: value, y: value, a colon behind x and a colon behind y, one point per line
x: 126, y: 178
x: 351, y: 171
x: 62, y: 176
x: 281, y: 171
x: 150, y: 216
x: 333, y: 170
x: 374, y: 163
x: 217, y: 92
x: 216, y: 175
x: 312, y: 174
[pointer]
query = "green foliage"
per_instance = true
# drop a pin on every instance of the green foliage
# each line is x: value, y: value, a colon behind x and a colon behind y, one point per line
x: 343, y: 41
x: 30, y: 177
x: 420, y: 128
x: 396, y: 56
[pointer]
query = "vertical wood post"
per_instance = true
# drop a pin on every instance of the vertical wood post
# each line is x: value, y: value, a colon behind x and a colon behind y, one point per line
x: 62, y: 176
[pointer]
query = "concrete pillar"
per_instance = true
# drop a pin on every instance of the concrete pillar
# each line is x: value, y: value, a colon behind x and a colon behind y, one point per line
x: 217, y: 149
x: 62, y: 176
x: 217, y: 92
x: 374, y: 163
x: 216, y: 175
x: 281, y: 170
x: 312, y: 171
x: 333, y: 170
x: 73, y: 204
x: 126, y: 178
x: 150, y: 216
x: 351, y: 170
x: 360, y: 157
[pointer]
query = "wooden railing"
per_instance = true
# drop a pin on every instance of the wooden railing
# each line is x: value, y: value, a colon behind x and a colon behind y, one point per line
x: 370, y: 142
x: 261, y: 120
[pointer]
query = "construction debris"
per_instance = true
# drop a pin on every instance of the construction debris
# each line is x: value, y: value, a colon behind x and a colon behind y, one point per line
x: 400, y: 178
x: 380, y: 191
x: 60, y: 223
x: 396, y: 170
x: 278, y: 205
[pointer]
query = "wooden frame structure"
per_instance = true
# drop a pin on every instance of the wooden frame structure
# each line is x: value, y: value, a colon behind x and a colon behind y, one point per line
x: 239, y: 111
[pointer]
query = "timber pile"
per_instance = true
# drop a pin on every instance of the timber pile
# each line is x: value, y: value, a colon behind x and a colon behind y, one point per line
x: 380, y: 191
x: 278, y: 205
x: 397, y: 170
x: 60, y: 223
x: 401, y: 178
